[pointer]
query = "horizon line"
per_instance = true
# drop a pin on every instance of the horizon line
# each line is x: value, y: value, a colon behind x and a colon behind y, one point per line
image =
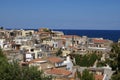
x: 58, y: 29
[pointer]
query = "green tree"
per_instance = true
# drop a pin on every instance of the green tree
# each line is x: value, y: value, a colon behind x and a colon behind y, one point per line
x: 101, y: 63
x: 114, y: 61
x: 13, y: 71
x: 116, y: 77
x: 115, y: 57
x: 85, y: 60
x: 59, y: 52
x: 86, y: 75
x: 78, y: 74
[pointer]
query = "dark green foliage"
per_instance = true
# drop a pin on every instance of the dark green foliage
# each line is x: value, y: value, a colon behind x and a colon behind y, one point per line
x: 115, y: 48
x: 115, y: 57
x: 86, y: 75
x: 1, y: 54
x: 93, y: 57
x: 86, y: 60
x: 78, y: 74
x: 13, y: 71
x: 99, y: 57
x: 114, y: 61
x: 77, y: 59
x: 101, y: 63
x: 111, y: 63
x: 116, y: 77
x: 59, y: 52
x: 104, y: 63
x: 2, y: 58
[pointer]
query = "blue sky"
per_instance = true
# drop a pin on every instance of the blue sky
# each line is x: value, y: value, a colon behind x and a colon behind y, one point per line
x: 60, y: 14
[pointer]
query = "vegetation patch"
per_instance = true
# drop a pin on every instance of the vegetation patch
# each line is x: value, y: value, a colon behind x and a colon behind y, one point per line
x: 86, y: 60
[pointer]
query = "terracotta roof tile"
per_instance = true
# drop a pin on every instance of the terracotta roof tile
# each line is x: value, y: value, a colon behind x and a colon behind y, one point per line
x: 99, y: 41
x: 59, y: 71
x: 99, y: 77
x: 70, y: 36
x: 34, y: 60
x: 54, y: 59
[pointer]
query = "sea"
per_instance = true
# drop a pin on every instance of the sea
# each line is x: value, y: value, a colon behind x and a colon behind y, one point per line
x: 113, y: 35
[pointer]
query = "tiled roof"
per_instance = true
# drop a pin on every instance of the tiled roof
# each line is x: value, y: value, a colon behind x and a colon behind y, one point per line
x: 67, y: 36
x: 59, y: 71
x: 70, y: 36
x: 99, y: 77
x: 99, y: 41
x: 54, y: 59
x: 34, y: 60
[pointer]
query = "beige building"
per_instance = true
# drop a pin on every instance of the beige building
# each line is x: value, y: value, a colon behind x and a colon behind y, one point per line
x: 27, y: 32
x: 99, y: 44
x: 65, y: 52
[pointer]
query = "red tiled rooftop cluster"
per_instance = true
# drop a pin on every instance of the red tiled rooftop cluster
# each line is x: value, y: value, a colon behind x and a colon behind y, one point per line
x: 99, y: 41
x: 58, y: 71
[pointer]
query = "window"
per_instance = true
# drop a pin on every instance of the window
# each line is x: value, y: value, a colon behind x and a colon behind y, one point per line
x: 39, y: 55
x: 32, y: 50
x: 33, y: 54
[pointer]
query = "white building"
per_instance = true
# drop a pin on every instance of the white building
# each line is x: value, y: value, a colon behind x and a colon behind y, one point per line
x: 2, y: 43
x: 68, y: 63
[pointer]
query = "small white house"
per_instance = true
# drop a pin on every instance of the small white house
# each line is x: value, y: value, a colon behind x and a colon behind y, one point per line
x: 68, y: 63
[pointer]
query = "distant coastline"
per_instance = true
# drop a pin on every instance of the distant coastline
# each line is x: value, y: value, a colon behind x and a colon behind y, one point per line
x: 113, y: 35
